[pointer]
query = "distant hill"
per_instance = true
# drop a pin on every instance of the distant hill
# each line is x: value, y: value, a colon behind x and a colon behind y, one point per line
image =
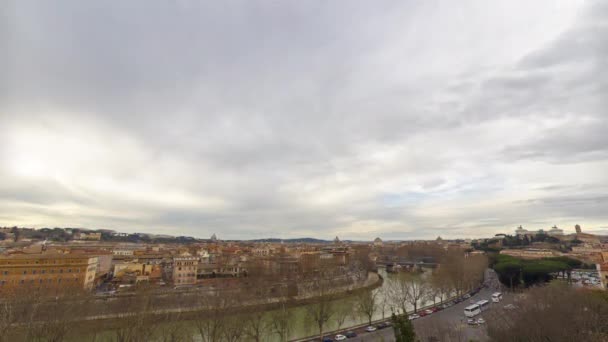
x: 298, y: 240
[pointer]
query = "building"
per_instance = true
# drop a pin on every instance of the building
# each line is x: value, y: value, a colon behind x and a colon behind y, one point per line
x: 87, y: 236
x: 52, y: 272
x: 554, y: 231
x: 122, y: 252
x: 184, y: 269
x: 377, y: 242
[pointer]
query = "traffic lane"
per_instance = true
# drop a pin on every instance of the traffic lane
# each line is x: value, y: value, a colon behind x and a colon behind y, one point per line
x: 452, y: 314
x: 455, y: 319
x: 385, y: 335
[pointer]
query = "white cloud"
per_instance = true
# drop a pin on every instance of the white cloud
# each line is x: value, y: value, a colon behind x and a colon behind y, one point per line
x: 402, y: 119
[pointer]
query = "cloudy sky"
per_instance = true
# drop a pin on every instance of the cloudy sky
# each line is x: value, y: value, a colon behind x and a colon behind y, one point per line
x: 398, y: 119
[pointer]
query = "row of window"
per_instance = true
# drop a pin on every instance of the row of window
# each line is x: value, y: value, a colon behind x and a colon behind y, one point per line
x: 186, y: 268
x: 77, y: 270
x: 40, y: 281
x: 186, y: 274
x: 37, y: 262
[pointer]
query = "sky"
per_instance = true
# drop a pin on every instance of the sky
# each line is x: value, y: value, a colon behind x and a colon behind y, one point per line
x: 253, y: 119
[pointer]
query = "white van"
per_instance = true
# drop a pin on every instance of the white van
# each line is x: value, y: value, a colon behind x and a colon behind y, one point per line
x: 472, y: 310
x: 496, y: 297
x: 483, y: 304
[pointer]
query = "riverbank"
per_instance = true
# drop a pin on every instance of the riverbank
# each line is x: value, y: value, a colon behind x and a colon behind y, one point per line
x: 87, y: 328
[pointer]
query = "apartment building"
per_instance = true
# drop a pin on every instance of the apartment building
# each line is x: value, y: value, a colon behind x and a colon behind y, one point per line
x: 184, y: 270
x: 47, y: 272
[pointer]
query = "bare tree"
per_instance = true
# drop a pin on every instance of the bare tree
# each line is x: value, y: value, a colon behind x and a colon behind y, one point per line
x: 366, y: 304
x: 8, y: 315
x: 408, y: 289
x: 173, y: 330
x: 323, y: 308
x: 136, y: 322
x: 256, y: 325
x: 209, y: 320
x: 281, y: 322
x: 552, y: 313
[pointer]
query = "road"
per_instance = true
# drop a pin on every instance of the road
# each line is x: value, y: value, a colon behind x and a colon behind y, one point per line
x: 451, y: 318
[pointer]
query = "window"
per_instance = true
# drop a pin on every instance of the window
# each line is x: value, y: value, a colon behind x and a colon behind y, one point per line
x: 34, y: 272
x: 24, y: 272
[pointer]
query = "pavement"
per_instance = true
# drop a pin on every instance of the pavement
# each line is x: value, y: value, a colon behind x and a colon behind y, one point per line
x: 451, y: 320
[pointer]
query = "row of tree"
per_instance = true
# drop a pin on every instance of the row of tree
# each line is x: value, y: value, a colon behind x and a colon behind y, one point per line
x: 557, y: 313
x: 515, y: 272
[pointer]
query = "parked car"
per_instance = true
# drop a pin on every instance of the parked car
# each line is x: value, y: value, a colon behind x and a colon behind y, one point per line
x: 327, y: 339
x: 413, y: 317
x: 428, y: 311
x: 340, y: 337
x: 481, y: 320
x: 436, y: 308
x: 350, y: 334
x: 472, y: 321
x: 466, y: 296
x: 370, y: 328
x: 382, y: 325
x: 422, y: 313
x: 510, y: 307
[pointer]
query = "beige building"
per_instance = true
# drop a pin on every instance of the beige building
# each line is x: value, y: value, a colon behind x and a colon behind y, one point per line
x: 184, y: 270
x: 47, y: 272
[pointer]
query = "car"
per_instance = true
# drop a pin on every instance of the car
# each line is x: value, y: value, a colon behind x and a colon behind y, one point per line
x: 466, y: 296
x: 422, y: 313
x: 370, y: 328
x: 436, y: 308
x: 413, y: 317
x: 350, y: 334
x: 481, y: 320
x: 383, y: 325
x: 471, y: 321
x: 340, y: 337
x: 327, y: 339
x: 428, y: 311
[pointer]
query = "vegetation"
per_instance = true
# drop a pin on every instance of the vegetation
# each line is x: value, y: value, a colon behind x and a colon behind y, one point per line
x: 515, y: 272
x: 404, y: 331
x: 552, y: 313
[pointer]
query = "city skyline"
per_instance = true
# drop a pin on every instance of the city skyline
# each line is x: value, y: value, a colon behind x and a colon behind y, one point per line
x: 403, y: 120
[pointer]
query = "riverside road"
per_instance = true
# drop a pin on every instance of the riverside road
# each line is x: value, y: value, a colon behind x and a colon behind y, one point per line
x: 451, y: 317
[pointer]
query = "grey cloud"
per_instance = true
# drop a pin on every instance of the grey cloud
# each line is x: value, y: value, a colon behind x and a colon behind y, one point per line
x: 299, y: 116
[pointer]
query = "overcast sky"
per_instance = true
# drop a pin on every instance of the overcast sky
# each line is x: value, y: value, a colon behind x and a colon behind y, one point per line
x: 250, y: 119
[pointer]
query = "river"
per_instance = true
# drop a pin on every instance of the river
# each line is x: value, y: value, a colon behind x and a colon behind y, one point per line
x: 300, y: 325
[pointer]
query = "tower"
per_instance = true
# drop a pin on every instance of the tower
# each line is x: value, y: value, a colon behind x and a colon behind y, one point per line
x: 578, y: 229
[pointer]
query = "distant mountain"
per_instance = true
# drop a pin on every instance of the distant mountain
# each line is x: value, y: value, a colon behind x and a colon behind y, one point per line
x: 298, y: 240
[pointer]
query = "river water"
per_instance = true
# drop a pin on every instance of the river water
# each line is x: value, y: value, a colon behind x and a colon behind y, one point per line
x: 301, y: 326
